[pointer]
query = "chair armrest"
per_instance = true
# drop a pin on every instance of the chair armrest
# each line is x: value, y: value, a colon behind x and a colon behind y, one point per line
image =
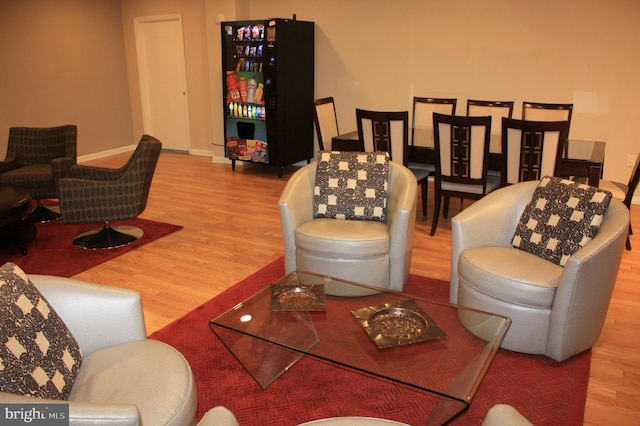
x: 96, y: 173
x: 85, y: 413
x: 401, y: 219
x: 296, y: 207
x: 582, y: 298
x: 491, y: 221
x: 98, y: 316
x: 218, y: 416
x: 8, y: 164
x: 61, y: 167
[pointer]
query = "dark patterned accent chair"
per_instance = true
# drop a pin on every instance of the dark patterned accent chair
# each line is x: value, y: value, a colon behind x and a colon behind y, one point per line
x: 96, y: 194
x: 462, y: 160
x: 36, y: 159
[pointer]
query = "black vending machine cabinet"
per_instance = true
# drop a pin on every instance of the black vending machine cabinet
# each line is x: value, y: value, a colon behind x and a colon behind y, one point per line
x: 268, y: 68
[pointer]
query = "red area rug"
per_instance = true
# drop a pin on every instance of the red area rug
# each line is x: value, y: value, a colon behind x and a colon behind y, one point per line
x: 51, y: 251
x: 546, y: 392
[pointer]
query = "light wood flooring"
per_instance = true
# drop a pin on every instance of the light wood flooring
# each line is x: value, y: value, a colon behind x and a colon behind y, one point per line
x: 232, y: 229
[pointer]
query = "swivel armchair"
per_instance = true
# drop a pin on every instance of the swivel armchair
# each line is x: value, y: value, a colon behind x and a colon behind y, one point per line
x: 374, y: 253
x: 96, y: 194
x: 125, y: 378
x: 557, y: 311
x: 36, y: 158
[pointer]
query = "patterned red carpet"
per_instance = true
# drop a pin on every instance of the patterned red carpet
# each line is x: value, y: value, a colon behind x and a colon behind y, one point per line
x: 546, y: 392
x: 51, y: 251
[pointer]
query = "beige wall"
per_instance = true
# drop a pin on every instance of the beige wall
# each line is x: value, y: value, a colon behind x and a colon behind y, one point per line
x: 62, y: 63
x: 369, y: 53
x: 377, y: 54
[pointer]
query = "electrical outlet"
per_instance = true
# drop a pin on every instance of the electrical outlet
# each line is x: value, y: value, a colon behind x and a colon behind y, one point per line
x: 631, y: 160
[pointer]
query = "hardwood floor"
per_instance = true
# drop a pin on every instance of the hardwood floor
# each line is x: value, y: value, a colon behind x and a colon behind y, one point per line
x: 232, y: 229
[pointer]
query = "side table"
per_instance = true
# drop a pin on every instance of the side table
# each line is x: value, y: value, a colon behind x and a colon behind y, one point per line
x: 15, y: 207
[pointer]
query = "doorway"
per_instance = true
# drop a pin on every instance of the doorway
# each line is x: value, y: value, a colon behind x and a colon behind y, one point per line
x: 163, y: 80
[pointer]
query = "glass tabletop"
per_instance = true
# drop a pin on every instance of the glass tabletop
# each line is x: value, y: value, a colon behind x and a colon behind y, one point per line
x: 434, y: 347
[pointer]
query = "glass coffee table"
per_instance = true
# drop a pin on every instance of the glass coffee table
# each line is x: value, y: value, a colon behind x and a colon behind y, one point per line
x: 441, y: 349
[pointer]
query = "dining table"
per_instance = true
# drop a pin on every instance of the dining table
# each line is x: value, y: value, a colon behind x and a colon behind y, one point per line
x: 581, y: 158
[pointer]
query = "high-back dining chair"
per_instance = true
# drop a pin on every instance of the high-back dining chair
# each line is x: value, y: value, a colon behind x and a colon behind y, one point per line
x: 326, y: 121
x: 540, y: 111
x: 462, y: 157
x: 384, y: 131
x: 422, y: 138
x: 497, y: 110
x: 422, y: 118
x: 531, y: 149
x: 389, y: 131
x: 624, y: 192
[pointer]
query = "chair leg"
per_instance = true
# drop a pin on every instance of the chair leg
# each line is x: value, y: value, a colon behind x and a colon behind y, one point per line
x: 108, y: 237
x: 425, y: 192
x: 436, y: 213
x: 445, y: 212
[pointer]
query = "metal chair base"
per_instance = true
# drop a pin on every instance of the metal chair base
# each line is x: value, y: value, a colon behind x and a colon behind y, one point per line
x: 108, y: 237
x: 44, y: 214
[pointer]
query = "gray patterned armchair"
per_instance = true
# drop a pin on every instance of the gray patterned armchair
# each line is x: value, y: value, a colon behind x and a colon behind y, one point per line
x: 36, y: 158
x: 96, y: 194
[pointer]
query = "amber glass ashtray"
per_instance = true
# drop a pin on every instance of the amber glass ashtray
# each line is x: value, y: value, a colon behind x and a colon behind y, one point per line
x: 395, y: 324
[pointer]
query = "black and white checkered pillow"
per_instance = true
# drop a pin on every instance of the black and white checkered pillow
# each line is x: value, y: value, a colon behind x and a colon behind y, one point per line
x: 38, y: 355
x: 351, y: 185
x: 561, y: 218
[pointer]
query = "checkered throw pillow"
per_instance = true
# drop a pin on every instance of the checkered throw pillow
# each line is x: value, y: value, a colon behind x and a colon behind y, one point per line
x: 38, y: 355
x: 561, y: 218
x: 351, y: 185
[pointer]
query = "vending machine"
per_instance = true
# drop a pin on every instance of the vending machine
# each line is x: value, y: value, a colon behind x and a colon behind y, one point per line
x: 268, y: 80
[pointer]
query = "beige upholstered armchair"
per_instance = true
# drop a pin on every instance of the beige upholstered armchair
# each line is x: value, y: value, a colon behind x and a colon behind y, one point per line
x: 373, y: 253
x: 124, y: 378
x: 556, y: 310
x: 96, y: 194
x: 36, y: 158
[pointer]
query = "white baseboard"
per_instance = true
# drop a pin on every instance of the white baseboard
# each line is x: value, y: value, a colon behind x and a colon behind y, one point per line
x: 131, y: 148
x: 107, y: 153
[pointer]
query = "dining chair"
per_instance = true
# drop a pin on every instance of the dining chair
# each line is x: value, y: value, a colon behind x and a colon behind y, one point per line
x: 422, y: 137
x: 539, y: 111
x: 531, y: 149
x: 326, y: 121
x: 497, y: 110
x: 384, y: 131
x: 462, y: 157
x: 624, y: 192
x: 389, y: 131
